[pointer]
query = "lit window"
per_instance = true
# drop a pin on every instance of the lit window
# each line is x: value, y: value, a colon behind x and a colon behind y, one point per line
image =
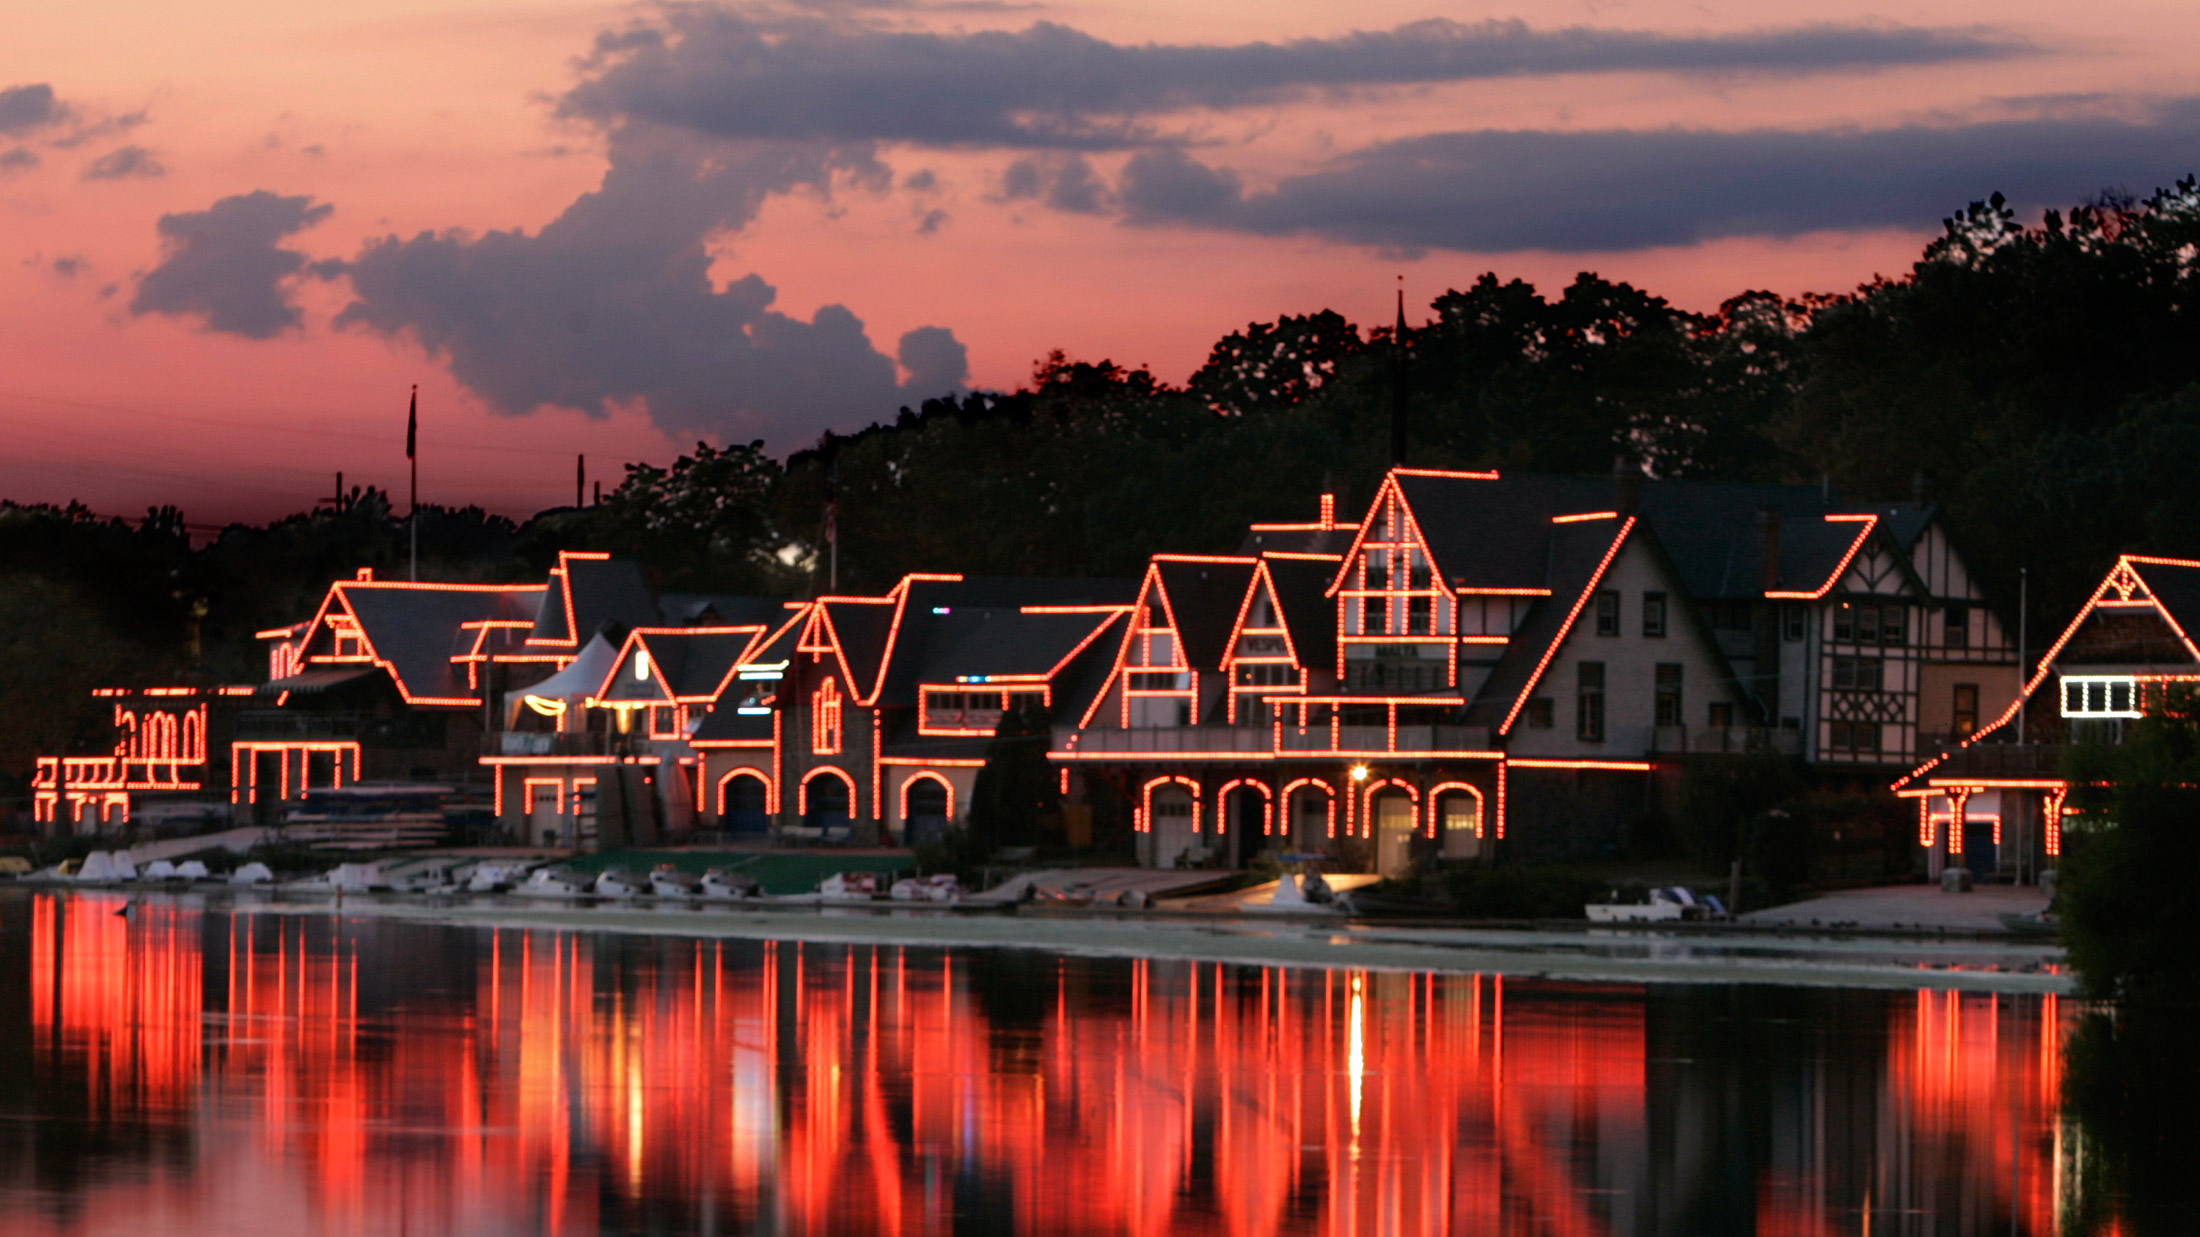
x: 2100, y: 695
x: 825, y: 719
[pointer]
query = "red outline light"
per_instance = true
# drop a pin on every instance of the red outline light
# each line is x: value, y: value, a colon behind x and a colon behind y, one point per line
x: 1566, y: 628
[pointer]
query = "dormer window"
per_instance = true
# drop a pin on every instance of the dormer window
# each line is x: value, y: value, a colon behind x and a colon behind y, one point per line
x: 2100, y: 695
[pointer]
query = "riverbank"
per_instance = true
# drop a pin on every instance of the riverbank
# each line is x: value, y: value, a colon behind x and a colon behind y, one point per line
x: 1737, y: 954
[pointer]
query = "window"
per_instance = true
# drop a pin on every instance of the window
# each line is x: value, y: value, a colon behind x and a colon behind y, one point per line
x: 1589, y: 702
x: 1722, y: 714
x: 1894, y: 625
x: 1844, y: 622
x: 1653, y: 614
x: 1607, y: 612
x: 1539, y: 713
x: 1966, y: 710
x: 1863, y: 674
x: 1854, y: 736
x: 1793, y: 616
x: 1669, y: 693
x: 825, y: 719
x: 1955, y: 623
x: 2100, y: 695
x: 1420, y: 616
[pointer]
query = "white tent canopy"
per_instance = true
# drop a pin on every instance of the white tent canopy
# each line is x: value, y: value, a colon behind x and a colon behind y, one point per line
x: 568, y: 687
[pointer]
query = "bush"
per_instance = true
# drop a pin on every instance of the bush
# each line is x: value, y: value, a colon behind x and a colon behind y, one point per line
x: 2130, y: 935
x: 957, y: 850
x: 1721, y: 795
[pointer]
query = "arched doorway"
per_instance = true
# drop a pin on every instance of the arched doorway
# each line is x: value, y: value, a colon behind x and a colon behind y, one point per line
x: 1172, y: 822
x: 1309, y: 816
x: 1393, y: 812
x: 1455, y: 820
x: 927, y: 808
x: 828, y: 804
x: 1245, y: 820
x: 744, y: 803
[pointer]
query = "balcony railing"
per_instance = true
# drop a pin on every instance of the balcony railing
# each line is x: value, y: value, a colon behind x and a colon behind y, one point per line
x: 1314, y: 742
x: 545, y: 743
x: 2002, y: 760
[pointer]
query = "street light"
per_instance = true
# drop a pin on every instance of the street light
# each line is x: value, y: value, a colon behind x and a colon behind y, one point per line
x: 1359, y: 773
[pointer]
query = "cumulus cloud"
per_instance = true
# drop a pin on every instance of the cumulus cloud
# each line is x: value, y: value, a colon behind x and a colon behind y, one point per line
x: 1496, y: 191
x: 24, y: 109
x: 730, y: 74
x: 125, y: 163
x: 612, y: 302
x: 225, y: 266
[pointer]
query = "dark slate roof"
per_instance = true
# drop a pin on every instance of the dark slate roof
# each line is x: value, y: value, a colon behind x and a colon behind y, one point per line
x: 418, y: 629
x: 726, y: 724
x: 314, y: 682
x: 693, y: 661
x: 1575, y: 550
x: 602, y: 591
x: 1311, y: 540
x: 1012, y: 591
x: 1302, y: 586
x: 862, y: 628
x: 720, y: 610
x: 988, y: 640
x: 1204, y: 597
x: 2177, y: 588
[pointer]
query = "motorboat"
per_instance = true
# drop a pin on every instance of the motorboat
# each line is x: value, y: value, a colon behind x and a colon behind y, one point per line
x: 559, y: 882
x: 942, y: 887
x: 621, y: 883
x: 667, y: 881
x: 491, y: 876
x: 850, y: 886
x: 727, y: 885
x: 1673, y: 903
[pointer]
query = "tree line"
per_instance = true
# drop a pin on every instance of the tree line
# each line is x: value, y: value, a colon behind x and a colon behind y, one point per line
x: 2040, y: 381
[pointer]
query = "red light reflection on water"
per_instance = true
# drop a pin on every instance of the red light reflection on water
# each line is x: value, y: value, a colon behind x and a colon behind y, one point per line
x: 574, y: 1084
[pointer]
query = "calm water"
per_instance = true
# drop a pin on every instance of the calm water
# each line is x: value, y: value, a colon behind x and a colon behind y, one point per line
x: 194, y: 1070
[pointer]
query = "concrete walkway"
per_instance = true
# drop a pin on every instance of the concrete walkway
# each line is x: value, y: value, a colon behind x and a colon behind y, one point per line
x: 1910, y: 907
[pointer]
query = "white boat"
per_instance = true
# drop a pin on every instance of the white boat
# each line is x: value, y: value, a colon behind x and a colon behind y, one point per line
x: 252, y: 874
x: 940, y: 888
x: 494, y: 877
x: 102, y: 866
x: 191, y: 870
x: 1673, y: 903
x: 620, y: 883
x: 158, y: 870
x: 726, y: 885
x: 850, y: 886
x: 670, y: 882
x: 553, y: 883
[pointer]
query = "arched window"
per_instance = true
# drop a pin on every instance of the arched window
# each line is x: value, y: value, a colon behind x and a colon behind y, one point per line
x: 825, y: 719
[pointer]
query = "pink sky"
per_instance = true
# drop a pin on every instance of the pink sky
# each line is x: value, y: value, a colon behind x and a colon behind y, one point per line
x: 406, y: 116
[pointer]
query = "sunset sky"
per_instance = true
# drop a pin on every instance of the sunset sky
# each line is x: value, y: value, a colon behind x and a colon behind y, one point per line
x: 236, y: 232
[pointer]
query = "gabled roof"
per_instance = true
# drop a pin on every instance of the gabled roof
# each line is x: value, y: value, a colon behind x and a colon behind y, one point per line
x: 1204, y: 595
x: 1580, y: 553
x: 588, y: 591
x: 414, y: 629
x: 687, y: 664
x: 2166, y: 587
x: 721, y: 610
x: 1301, y: 586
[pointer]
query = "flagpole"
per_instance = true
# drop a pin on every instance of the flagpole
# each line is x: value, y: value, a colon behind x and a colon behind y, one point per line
x: 412, y: 455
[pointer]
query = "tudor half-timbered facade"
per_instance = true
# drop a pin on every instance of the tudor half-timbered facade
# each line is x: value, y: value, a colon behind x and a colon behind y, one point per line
x: 1481, y: 658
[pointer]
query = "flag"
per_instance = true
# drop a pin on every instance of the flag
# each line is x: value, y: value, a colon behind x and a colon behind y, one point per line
x: 412, y: 427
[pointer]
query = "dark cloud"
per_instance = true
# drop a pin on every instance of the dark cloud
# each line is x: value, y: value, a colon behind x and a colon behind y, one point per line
x: 27, y: 108
x: 1067, y: 183
x: 224, y: 266
x: 1494, y: 191
x: 727, y: 74
x: 125, y: 163
x: 612, y: 303
x: 21, y: 159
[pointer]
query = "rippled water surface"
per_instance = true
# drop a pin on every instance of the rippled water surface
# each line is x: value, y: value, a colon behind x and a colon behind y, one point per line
x: 216, y: 1069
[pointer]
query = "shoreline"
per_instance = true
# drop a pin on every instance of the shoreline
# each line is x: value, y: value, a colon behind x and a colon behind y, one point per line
x: 1789, y: 956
